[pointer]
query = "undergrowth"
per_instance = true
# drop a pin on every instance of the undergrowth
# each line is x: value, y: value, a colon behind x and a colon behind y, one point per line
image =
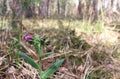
x: 85, y: 57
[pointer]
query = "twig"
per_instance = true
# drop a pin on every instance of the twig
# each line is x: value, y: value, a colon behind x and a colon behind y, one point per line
x: 56, y: 55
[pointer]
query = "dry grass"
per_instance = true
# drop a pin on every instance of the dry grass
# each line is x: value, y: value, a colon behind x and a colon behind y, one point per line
x: 88, y: 54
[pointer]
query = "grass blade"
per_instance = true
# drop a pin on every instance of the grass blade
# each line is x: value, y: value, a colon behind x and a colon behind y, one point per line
x: 47, y: 54
x: 29, y: 60
x: 52, y: 69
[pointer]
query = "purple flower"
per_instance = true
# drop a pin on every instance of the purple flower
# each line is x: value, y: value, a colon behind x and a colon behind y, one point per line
x: 28, y: 37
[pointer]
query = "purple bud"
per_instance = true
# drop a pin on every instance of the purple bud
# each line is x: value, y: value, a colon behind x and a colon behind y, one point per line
x: 28, y: 37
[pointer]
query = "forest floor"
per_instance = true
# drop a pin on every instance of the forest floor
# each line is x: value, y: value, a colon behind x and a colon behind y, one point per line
x: 90, y: 51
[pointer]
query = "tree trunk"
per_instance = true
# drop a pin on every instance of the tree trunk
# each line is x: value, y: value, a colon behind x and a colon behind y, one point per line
x: 75, y: 8
x: 44, y: 8
x: 80, y: 10
x: 58, y: 6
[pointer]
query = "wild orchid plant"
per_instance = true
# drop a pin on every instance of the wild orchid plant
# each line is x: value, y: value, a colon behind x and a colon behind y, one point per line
x: 39, y: 45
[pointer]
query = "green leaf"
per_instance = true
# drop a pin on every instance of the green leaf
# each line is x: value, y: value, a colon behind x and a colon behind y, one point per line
x: 47, y: 54
x: 37, y: 47
x: 47, y: 42
x: 52, y: 69
x: 29, y: 60
x: 91, y: 77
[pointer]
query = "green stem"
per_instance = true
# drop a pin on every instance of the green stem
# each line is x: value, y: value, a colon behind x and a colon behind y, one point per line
x: 40, y: 52
x: 18, y: 46
x: 11, y: 50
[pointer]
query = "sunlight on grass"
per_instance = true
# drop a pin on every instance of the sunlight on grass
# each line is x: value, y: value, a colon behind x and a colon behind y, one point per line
x: 99, y: 26
x: 4, y: 24
x: 96, y: 31
x: 53, y: 23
